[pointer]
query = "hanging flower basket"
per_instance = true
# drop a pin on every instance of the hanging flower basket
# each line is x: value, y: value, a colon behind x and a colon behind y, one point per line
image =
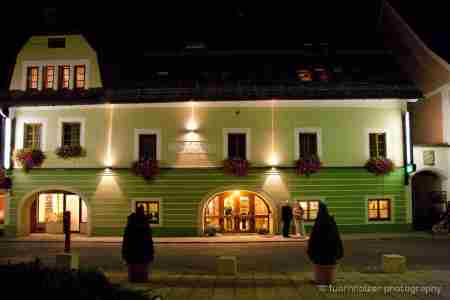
x: 379, y: 166
x: 237, y: 167
x: 5, y: 182
x: 146, y: 168
x: 70, y: 151
x: 29, y: 158
x: 309, y: 165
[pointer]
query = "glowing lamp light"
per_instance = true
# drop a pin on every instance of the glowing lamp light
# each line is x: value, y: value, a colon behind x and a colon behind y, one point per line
x: 273, y: 160
x: 236, y: 193
x: 192, y: 125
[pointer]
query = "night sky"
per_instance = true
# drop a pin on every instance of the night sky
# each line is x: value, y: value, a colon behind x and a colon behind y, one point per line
x: 121, y: 31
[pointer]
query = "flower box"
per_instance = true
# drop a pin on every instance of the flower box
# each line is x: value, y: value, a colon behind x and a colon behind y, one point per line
x: 29, y: 158
x: 70, y: 151
x: 308, y: 165
x: 379, y: 165
x: 237, y: 167
x: 146, y: 168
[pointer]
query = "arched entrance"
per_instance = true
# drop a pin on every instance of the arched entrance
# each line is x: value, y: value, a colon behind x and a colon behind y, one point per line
x: 41, y: 212
x: 428, y: 199
x: 237, y: 211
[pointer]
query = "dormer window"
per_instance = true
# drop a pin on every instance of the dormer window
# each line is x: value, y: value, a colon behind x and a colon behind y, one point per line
x: 57, y: 42
x: 48, y: 77
x: 80, y: 77
x: 64, y: 77
x: 32, y: 78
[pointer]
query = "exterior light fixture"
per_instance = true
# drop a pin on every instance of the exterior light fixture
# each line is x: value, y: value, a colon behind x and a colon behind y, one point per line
x: 192, y: 125
x: 273, y: 160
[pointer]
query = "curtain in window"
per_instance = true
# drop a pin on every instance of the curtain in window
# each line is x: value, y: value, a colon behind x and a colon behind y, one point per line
x: 308, y: 144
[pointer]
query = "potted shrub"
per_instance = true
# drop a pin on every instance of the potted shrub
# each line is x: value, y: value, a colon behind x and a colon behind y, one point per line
x: 308, y: 165
x: 237, y: 167
x: 137, y: 246
x: 67, y: 151
x: 146, y: 168
x: 211, y: 230
x: 29, y: 158
x: 325, y: 247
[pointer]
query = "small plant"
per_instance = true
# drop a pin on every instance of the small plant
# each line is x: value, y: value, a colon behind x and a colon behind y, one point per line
x: 146, y: 168
x: 308, y: 165
x: 379, y: 165
x: 29, y: 158
x: 70, y: 151
x: 211, y: 230
x: 237, y: 167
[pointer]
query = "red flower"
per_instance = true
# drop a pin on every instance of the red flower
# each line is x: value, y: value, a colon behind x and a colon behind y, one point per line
x: 238, y: 167
x: 379, y: 166
x: 308, y: 165
x: 146, y: 168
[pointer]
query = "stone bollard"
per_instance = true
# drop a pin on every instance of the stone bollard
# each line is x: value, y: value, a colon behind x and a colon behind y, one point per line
x: 227, y: 265
x: 394, y: 263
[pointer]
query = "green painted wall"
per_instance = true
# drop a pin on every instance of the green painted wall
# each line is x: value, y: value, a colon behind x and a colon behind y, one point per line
x: 345, y: 190
x: 344, y: 131
x: 36, y: 49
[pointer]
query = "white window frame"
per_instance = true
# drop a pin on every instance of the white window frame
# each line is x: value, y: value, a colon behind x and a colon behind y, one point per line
x: 150, y: 199
x: 21, y: 121
x: 82, y: 122
x: 374, y: 197
x: 247, y: 133
x: 388, y: 141
x: 316, y: 130
x: 41, y: 63
x: 308, y: 198
x: 138, y: 132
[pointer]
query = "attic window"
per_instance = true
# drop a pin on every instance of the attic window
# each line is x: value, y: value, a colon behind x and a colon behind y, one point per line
x: 57, y: 42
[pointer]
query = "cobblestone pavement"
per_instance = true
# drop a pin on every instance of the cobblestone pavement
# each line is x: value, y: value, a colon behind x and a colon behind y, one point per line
x: 293, y: 285
x: 421, y: 254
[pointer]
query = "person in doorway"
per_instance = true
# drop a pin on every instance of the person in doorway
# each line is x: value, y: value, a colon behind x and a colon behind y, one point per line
x: 298, y: 220
x: 286, y: 216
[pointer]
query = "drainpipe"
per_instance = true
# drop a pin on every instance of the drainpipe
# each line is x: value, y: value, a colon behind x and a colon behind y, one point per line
x: 7, y: 133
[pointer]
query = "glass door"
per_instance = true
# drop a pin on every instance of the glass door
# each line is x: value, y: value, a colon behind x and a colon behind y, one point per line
x: 72, y: 204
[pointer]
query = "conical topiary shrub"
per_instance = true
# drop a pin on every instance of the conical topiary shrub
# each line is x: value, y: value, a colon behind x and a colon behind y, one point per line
x: 325, y: 246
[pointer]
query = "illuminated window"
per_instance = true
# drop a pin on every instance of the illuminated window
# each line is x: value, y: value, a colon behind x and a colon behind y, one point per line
x: 71, y: 134
x: 310, y: 209
x: 64, y: 77
x: 80, y: 77
x: 379, y: 210
x: 377, y: 144
x: 32, y: 136
x: 84, y: 217
x: 152, y: 210
x: 32, y: 78
x: 48, y: 77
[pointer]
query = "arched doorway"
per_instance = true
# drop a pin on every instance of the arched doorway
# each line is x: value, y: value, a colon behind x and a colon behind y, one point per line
x: 428, y: 199
x: 237, y: 212
x: 41, y: 211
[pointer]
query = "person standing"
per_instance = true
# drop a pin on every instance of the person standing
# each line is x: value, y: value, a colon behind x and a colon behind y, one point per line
x: 286, y: 216
x: 298, y: 219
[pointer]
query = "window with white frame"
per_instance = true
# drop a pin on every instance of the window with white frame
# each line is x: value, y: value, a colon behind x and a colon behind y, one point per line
x: 71, y: 132
x: 308, y: 142
x: 152, y: 209
x: 236, y: 142
x: 64, y: 77
x: 80, y: 76
x: 32, y: 78
x: 32, y: 133
x: 147, y: 144
x: 377, y: 144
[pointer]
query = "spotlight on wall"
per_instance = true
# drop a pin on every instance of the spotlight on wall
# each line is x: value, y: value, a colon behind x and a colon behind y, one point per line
x: 192, y: 125
x: 274, y: 160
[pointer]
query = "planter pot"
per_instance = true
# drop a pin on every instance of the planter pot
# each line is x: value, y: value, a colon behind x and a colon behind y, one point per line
x: 324, y: 274
x: 138, y: 272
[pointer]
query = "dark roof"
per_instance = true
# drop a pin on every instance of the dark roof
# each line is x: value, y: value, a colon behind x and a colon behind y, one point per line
x: 429, y: 21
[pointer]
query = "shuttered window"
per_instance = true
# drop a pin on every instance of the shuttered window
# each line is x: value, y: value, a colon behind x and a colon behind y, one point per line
x: 237, y: 147
x: 307, y: 144
x: 377, y: 144
x: 32, y: 78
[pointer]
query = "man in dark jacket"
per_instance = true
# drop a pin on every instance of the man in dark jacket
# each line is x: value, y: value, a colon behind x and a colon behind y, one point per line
x: 286, y: 216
